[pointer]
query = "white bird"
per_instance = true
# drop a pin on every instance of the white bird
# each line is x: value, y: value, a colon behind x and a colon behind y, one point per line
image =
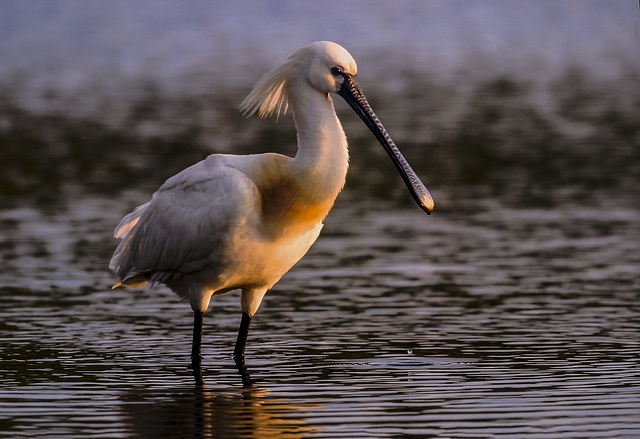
x: 233, y: 222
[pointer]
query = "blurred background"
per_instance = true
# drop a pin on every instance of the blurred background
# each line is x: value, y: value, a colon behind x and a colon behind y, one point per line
x: 525, y: 102
x: 512, y: 311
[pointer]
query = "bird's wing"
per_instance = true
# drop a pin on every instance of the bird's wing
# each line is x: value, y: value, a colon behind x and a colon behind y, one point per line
x: 186, y: 225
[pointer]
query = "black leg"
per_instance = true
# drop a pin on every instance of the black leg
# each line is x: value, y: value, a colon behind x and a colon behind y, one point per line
x: 238, y: 352
x: 245, y: 375
x: 196, y: 352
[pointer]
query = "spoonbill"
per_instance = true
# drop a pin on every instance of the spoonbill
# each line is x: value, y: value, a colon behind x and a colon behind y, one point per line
x: 240, y: 222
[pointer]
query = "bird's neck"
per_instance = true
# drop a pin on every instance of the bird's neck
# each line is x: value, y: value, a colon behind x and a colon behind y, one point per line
x: 322, y: 158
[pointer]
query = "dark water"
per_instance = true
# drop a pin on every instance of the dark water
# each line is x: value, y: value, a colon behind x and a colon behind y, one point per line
x: 483, y: 321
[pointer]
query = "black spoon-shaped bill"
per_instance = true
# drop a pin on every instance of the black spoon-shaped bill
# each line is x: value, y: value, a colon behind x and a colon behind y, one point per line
x: 350, y: 91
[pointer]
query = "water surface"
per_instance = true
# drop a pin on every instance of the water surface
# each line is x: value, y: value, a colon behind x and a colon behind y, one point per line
x: 484, y: 322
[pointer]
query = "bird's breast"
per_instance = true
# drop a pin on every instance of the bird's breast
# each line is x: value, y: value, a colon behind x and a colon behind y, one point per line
x: 287, y: 207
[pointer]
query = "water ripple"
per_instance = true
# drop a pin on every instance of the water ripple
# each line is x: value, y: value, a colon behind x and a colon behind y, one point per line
x: 506, y: 323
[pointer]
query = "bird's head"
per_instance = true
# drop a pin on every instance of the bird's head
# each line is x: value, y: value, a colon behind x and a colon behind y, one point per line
x: 323, y: 65
x: 327, y: 65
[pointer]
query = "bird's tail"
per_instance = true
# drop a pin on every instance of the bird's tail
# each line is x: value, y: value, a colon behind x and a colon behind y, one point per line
x: 123, y: 231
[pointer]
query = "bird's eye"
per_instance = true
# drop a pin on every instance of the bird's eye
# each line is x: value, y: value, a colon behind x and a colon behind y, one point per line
x: 336, y: 71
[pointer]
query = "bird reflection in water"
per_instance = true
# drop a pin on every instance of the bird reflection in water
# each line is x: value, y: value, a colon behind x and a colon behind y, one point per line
x: 204, y: 412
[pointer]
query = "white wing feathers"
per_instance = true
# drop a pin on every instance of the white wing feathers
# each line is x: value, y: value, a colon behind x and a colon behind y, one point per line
x: 186, y: 225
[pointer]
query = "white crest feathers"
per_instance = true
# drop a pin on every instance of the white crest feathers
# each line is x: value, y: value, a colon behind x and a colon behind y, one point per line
x: 269, y: 95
